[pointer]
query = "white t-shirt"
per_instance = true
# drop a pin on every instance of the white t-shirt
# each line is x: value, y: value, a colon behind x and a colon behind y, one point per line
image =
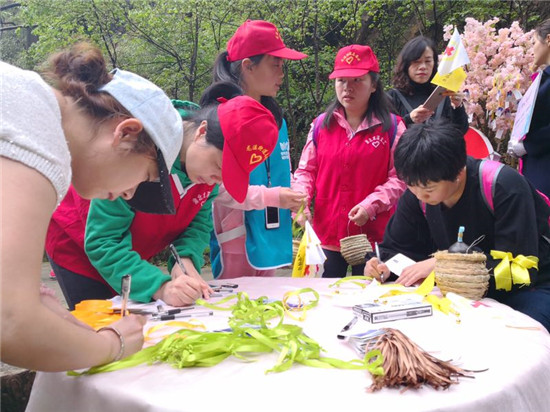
x: 30, y: 126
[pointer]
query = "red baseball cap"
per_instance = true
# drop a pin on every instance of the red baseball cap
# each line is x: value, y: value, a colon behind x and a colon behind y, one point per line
x: 250, y: 135
x: 255, y: 37
x: 354, y: 61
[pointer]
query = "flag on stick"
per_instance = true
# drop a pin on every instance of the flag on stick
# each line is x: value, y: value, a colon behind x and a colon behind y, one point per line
x: 450, y: 74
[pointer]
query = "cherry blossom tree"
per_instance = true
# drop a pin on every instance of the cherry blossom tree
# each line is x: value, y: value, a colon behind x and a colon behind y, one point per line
x: 499, y: 74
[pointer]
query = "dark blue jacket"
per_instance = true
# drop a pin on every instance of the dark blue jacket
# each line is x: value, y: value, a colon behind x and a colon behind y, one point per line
x: 536, y: 163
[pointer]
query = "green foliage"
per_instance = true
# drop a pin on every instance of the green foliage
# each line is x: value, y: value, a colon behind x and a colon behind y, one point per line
x: 175, y: 42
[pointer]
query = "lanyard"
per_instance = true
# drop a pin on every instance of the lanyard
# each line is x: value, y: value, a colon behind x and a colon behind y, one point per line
x: 268, y: 170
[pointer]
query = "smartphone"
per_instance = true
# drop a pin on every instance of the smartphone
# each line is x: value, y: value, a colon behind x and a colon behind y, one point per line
x: 435, y: 98
x: 272, y: 217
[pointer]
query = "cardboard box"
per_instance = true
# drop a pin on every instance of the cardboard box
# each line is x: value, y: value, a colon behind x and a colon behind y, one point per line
x: 379, y: 312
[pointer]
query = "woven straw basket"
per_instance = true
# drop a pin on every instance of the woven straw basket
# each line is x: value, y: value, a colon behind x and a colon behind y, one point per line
x: 464, y: 274
x: 354, y: 249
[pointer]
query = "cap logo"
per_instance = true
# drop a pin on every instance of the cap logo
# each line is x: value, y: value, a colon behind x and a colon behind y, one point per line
x: 255, y: 157
x: 277, y: 35
x: 349, y: 57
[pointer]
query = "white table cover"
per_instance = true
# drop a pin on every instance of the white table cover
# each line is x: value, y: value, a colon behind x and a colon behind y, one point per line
x: 517, y: 379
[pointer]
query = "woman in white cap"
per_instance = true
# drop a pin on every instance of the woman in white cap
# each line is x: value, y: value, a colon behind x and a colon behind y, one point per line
x: 347, y: 161
x: 252, y: 234
x: 105, y: 133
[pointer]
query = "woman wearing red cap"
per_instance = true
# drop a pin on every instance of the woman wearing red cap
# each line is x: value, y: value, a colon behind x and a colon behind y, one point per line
x: 254, y: 237
x: 91, y: 250
x: 347, y: 161
x: 415, y: 68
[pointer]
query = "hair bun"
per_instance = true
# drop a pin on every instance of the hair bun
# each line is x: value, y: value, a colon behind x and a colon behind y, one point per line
x: 82, y: 63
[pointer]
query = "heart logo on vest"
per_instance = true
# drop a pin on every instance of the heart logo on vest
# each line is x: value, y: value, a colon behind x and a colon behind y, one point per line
x: 254, y: 158
x: 376, y: 143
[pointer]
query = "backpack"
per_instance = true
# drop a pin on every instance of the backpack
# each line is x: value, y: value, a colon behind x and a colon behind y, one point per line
x: 488, y: 173
x: 319, y: 121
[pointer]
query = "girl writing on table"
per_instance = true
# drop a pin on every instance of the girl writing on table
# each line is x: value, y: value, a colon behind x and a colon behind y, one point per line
x: 445, y: 191
x: 119, y: 238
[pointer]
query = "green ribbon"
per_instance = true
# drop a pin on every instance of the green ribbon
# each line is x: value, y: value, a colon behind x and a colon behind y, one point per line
x: 250, y: 335
x: 297, y: 230
x: 351, y: 279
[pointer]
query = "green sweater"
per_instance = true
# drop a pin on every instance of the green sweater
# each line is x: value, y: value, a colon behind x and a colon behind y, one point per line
x: 112, y: 250
x: 110, y: 227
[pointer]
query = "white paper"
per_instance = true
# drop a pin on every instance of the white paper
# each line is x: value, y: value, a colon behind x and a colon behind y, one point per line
x: 314, y: 251
x: 399, y: 262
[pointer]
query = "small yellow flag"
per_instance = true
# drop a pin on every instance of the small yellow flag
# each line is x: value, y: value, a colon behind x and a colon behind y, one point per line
x: 452, y: 81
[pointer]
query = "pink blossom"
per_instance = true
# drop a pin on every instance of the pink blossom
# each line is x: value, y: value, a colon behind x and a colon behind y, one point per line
x: 499, y: 64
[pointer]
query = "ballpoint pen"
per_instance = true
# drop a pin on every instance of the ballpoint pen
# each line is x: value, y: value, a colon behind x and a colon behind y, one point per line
x: 177, y: 258
x: 347, y: 327
x: 125, y: 292
x: 377, y: 249
x: 176, y: 311
x: 182, y: 315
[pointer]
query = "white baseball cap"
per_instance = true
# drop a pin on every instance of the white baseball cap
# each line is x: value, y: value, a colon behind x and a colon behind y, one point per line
x: 148, y: 103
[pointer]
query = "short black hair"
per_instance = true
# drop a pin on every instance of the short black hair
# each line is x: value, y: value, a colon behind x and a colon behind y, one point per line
x: 430, y: 152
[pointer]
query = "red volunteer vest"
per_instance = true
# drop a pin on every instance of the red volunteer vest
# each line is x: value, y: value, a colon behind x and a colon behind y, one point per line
x: 348, y: 171
x: 150, y: 233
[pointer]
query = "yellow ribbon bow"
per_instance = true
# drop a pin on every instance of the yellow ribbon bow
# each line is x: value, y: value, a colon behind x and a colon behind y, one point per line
x: 513, y: 269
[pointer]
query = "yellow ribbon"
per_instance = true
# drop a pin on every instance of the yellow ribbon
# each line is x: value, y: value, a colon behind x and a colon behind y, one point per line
x: 352, y: 279
x: 442, y: 304
x: 302, y: 306
x: 513, y: 269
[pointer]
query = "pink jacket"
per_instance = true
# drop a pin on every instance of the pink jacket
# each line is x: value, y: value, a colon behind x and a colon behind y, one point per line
x: 350, y: 153
x: 228, y: 216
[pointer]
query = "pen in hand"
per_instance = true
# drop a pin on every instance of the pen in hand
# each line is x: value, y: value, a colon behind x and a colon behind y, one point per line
x: 177, y: 258
x: 125, y: 292
x: 377, y: 249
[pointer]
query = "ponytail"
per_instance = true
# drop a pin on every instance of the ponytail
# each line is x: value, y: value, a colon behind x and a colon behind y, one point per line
x: 226, y: 71
x: 209, y: 110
